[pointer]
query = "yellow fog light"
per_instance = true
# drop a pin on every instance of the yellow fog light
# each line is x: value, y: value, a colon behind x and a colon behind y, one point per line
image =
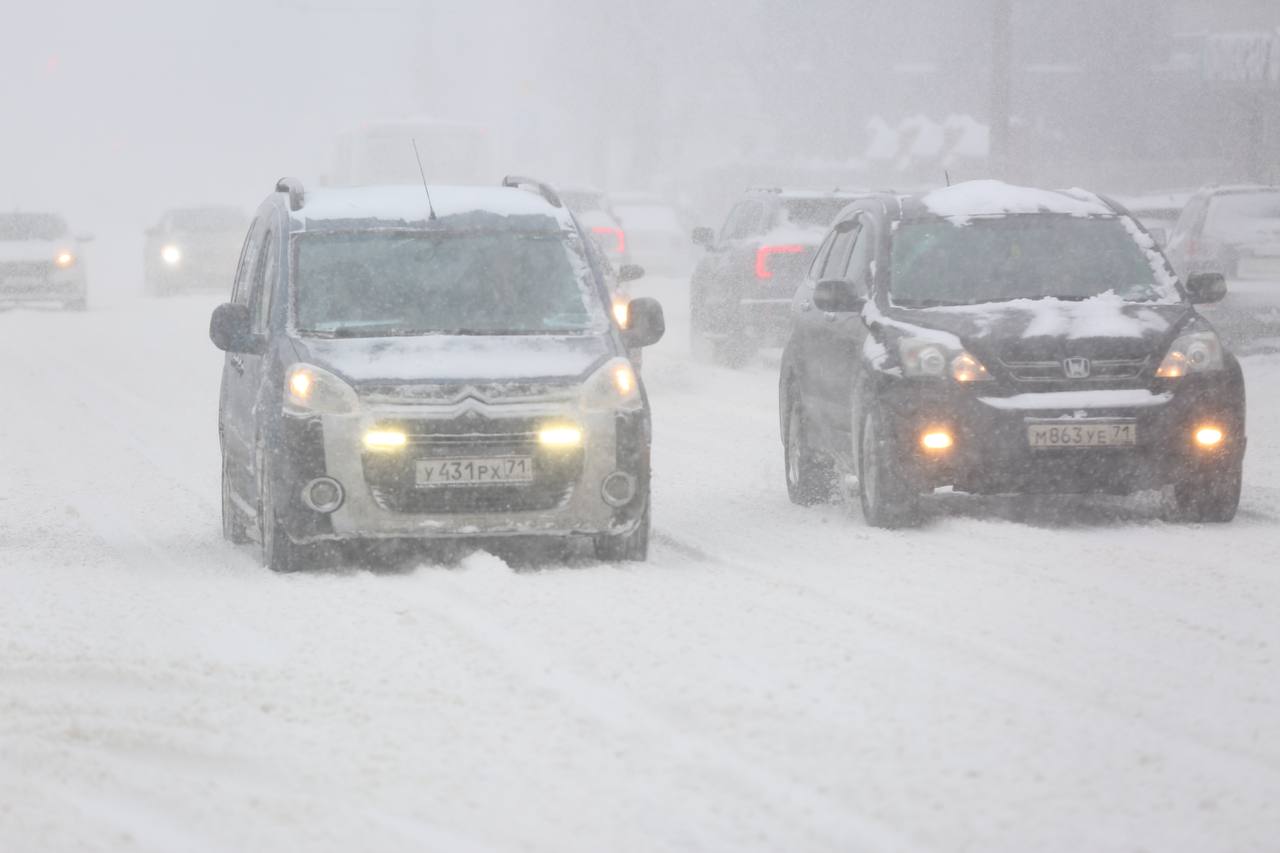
x: 384, y: 439
x: 64, y: 259
x: 171, y: 255
x: 560, y: 436
x: 936, y: 439
x: 1209, y: 436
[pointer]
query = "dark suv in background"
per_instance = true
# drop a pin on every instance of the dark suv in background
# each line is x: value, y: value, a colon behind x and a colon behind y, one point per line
x: 740, y: 291
x: 1001, y: 339
x: 401, y: 368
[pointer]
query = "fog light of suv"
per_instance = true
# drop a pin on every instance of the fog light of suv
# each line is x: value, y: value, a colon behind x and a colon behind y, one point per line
x: 385, y: 439
x: 323, y: 494
x: 560, y: 435
x: 64, y: 260
x: 1208, y: 437
x: 936, y: 440
x: 171, y: 255
x: 618, y: 488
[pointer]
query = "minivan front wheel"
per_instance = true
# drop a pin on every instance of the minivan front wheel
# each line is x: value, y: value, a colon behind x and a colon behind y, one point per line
x: 234, y: 529
x: 887, y: 498
x: 279, y: 552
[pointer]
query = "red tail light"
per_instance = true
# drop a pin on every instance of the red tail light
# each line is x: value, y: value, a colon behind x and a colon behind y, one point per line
x: 762, y: 258
x: 620, y: 239
x: 1193, y: 247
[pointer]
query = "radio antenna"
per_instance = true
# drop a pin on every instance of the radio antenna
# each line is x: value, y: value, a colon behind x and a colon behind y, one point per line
x: 430, y: 207
x: 947, y: 174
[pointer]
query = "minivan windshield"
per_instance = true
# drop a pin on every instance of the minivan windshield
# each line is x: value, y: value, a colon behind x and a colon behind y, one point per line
x: 374, y: 283
x: 1029, y: 256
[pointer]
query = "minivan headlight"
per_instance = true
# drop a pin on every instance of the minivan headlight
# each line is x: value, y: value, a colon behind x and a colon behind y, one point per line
x: 1198, y: 352
x: 312, y: 390
x: 613, y: 387
x: 923, y: 357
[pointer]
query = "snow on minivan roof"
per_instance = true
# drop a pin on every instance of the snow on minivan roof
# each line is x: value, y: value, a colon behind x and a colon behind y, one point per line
x: 408, y: 204
x: 970, y: 199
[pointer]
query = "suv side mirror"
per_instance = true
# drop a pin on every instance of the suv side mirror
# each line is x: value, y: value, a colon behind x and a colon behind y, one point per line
x: 647, y: 324
x: 1160, y: 235
x: 1206, y: 287
x: 703, y: 236
x: 230, y: 330
x: 836, y: 296
x: 630, y: 272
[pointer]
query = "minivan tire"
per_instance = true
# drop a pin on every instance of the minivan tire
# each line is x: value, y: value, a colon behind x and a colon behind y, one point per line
x: 234, y: 529
x: 631, y: 547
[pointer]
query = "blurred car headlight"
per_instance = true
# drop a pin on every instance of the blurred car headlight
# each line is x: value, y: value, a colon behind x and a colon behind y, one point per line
x: 922, y: 357
x: 171, y: 255
x: 311, y: 390
x: 612, y: 388
x: 64, y: 259
x: 1198, y: 352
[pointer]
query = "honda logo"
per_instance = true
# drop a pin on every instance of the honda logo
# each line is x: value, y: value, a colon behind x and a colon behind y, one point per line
x: 1076, y: 367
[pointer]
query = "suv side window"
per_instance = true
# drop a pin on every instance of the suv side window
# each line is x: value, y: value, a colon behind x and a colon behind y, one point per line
x: 264, y: 280
x: 744, y: 221
x: 858, y: 270
x: 820, y: 259
x: 1190, y: 216
x: 838, y: 260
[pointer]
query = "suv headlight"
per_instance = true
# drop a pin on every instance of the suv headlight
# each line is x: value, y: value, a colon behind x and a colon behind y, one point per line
x: 922, y: 357
x: 311, y: 390
x: 612, y: 388
x: 1198, y: 352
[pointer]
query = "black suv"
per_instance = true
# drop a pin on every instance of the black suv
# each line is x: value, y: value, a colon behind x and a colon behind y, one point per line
x: 1003, y: 339
x: 405, y: 367
x: 741, y: 289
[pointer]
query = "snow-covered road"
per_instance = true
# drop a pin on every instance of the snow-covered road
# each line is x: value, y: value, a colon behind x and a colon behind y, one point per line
x: 1060, y: 674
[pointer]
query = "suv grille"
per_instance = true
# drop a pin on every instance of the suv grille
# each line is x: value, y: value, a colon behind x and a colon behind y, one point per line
x: 1110, y: 370
x: 25, y: 269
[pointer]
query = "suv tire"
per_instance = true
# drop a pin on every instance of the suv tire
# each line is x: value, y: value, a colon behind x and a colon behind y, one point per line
x: 234, y: 529
x: 887, y: 500
x: 631, y: 547
x: 810, y: 476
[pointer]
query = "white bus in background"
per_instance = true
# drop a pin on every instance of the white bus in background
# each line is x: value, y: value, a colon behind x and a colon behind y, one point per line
x: 381, y: 152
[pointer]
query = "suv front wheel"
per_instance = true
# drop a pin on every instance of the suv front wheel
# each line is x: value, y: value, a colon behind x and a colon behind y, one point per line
x: 1211, y: 497
x: 809, y: 476
x: 886, y: 496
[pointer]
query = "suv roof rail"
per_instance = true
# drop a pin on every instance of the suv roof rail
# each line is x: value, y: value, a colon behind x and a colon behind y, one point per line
x: 293, y: 187
x: 544, y: 189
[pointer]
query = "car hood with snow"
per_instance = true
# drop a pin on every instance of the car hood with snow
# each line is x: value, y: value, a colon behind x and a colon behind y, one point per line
x: 1050, y: 329
x: 439, y: 358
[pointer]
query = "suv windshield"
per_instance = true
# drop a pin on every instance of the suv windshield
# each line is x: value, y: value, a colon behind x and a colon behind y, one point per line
x: 1239, y: 214
x: 31, y: 226
x: 366, y: 284
x: 938, y: 262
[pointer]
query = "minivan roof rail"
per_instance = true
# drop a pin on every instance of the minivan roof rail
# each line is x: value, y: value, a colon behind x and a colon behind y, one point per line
x: 293, y: 187
x: 544, y: 189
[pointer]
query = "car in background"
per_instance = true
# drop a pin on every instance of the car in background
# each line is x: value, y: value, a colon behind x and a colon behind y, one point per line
x: 594, y: 210
x: 1232, y: 230
x: 41, y: 262
x: 740, y: 292
x: 193, y: 248
x: 1157, y: 211
x: 1001, y: 339
x: 655, y: 234
x: 399, y: 368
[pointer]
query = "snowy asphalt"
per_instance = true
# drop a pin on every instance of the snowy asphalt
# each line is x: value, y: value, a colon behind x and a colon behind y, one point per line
x: 1045, y: 674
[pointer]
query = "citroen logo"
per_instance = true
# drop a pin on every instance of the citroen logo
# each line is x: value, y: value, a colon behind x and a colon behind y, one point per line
x: 1076, y: 367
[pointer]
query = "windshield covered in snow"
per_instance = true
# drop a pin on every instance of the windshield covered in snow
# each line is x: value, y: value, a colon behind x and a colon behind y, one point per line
x: 1244, y: 214
x: 31, y: 226
x: 996, y: 259
x: 368, y: 284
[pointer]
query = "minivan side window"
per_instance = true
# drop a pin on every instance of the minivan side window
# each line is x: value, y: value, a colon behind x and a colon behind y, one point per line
x: 858, y: 269
x: 744, y: 221
x: 264, y: 282
x: 838, y: 260
x: 244, y: 270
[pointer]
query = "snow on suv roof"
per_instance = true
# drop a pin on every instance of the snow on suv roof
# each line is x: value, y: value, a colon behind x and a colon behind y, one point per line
x: 407, y: 204
x: 962, y: 202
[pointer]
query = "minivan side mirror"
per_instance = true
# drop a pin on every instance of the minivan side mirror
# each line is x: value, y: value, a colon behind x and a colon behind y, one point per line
x: 1206, y: 287
x: 231, y: 331
x: 836, y: 296
x: 630, y: 272
x: 704, y: 236
x: 647, y: 324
